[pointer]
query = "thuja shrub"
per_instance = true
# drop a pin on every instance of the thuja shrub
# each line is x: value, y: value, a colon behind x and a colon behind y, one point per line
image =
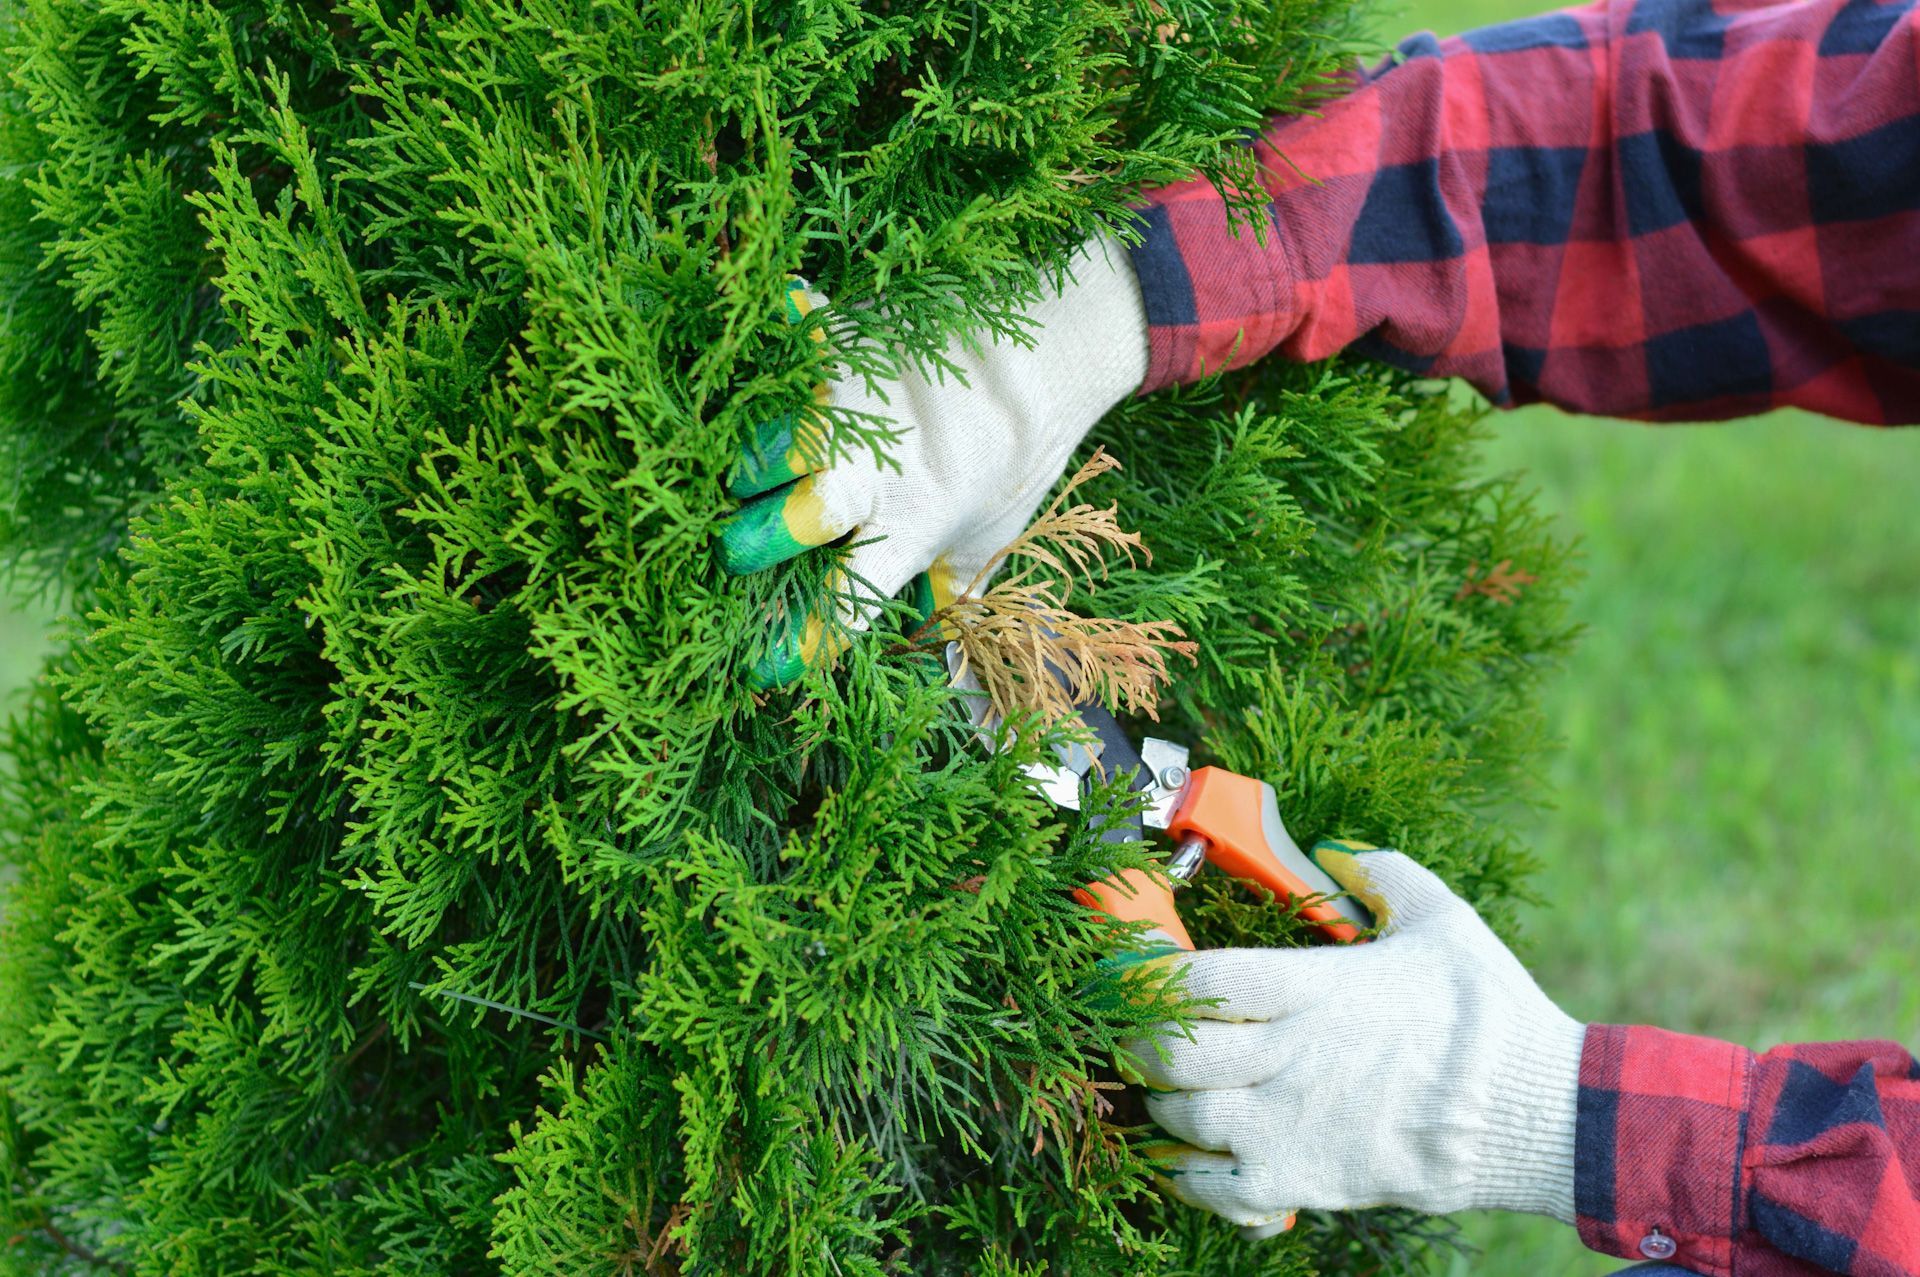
x: 405, y: 877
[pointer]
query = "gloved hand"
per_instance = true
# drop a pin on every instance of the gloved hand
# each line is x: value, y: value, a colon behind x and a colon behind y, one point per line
x: 975, y: 456
x: 1425, y: 1069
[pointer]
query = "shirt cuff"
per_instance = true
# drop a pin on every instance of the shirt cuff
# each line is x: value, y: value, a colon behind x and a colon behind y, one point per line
x: 1659, y: 1144
x: 1218, y: 295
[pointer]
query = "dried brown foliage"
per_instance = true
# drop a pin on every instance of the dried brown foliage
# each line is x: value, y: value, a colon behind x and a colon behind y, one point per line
x: 1031, y: 653
x: 1502, y: 583
x: 654, y: 1254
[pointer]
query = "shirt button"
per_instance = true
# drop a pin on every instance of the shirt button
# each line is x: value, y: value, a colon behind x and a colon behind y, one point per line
x: 1657, y: 1245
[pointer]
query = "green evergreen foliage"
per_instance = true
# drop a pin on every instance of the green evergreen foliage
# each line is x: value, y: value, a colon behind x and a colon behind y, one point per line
x: 407, y: 879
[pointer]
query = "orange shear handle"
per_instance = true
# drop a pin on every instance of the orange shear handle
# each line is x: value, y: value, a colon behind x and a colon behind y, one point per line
x: 1239, y: 819
x: 1139, y: 896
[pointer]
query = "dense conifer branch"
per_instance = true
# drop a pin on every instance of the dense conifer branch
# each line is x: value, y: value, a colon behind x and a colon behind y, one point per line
x: 369, y: 375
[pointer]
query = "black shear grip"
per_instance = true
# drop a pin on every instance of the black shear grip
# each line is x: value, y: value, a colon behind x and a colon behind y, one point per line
x: 1117, y: 757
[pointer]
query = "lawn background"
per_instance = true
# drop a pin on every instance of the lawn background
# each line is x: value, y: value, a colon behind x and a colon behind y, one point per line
x: 23, y: 639
x: 1736, y: 842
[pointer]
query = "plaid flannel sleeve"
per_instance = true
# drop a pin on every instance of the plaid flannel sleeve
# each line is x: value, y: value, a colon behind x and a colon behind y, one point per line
x: 1668, y: 209
x: 1803, y: 1160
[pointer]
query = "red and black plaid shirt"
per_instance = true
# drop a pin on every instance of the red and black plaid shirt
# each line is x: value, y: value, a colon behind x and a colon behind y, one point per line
x: 1669, y: 209
x: 1803, y: 1160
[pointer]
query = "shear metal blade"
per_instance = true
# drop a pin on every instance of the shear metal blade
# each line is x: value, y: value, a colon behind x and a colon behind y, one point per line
x: 1060, y: 781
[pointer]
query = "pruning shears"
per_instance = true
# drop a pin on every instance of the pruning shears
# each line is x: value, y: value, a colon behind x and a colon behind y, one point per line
x: 1214, y: 816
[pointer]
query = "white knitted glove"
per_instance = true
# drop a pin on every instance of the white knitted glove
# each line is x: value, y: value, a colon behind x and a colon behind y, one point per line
x: 975, y: 456
x: 1425, y: 1069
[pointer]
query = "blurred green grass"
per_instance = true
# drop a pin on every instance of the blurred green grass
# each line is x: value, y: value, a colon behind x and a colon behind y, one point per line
x: 1737, y: 829
x: 24, y: 639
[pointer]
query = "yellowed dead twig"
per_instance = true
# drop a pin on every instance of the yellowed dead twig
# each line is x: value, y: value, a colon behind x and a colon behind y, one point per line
x: 1034, y: 656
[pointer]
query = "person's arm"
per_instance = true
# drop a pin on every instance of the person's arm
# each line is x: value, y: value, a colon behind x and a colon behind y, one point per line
x: 1726, y: 1162
x: 1668, y: 209
x: 1427, y: 1070
x: 1646, y: 209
